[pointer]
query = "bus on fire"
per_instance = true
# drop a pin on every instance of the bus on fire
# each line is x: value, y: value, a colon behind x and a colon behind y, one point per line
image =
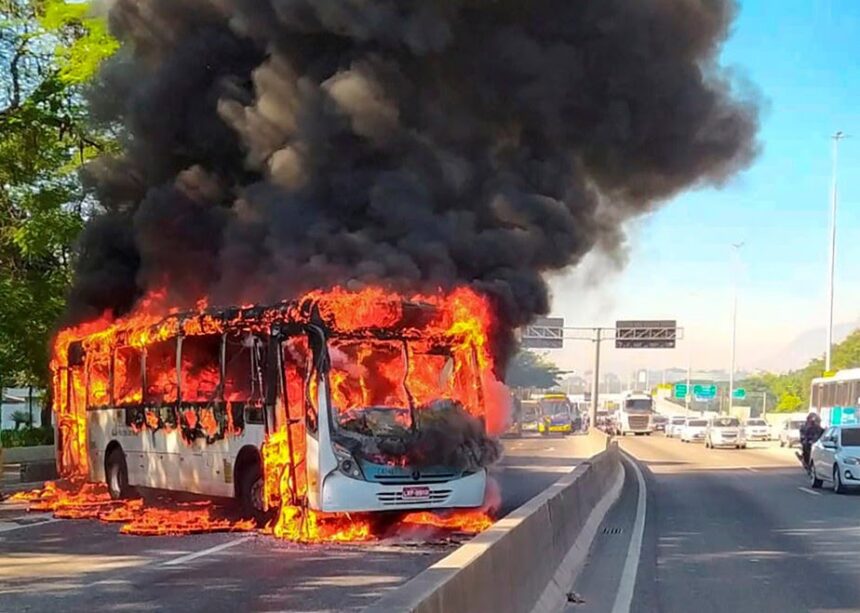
x: 339, y: 402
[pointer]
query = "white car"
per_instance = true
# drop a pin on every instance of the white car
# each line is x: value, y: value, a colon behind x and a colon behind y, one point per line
x: 836, y: 458
x: 725, y: 432
x: 694, y: 430
x: 675, y: 426
x: 756, y: 429
x: 789, y: 434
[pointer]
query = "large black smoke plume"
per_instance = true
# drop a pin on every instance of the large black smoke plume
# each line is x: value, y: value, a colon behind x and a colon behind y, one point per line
x: 272, y: 146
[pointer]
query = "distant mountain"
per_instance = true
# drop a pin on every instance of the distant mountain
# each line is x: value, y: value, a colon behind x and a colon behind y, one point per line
x: 808, y: 345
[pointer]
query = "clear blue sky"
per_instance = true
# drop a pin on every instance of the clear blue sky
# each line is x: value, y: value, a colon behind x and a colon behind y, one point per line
x: 801, y: 55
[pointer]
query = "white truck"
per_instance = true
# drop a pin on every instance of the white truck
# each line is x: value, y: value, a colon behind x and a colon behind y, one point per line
x: 635, y: 414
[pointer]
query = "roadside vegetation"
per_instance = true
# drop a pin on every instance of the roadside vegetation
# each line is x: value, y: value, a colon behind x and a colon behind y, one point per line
x: 49, y: 52
x: 789, y: 392
x: 532, y: 370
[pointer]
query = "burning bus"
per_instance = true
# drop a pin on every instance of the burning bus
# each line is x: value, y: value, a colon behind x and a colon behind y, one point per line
x: 337, y: 402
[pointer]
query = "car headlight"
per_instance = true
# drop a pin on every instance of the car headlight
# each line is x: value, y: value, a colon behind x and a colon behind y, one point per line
x: 345, y: 462
x: 851, y: 461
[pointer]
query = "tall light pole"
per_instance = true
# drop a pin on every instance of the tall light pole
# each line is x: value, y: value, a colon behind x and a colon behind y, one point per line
x: 834, y: 197
x: 736, y: 261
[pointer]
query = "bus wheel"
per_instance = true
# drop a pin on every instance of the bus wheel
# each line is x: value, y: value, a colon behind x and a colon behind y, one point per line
x: 251, y: 492
x: 116, y: 474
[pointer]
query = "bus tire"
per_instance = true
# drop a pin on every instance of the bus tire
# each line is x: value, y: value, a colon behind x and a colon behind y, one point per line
x: 251, y: 492
x: 116, y: 474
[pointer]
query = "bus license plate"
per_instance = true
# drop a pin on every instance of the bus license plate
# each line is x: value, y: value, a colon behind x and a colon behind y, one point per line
x: 412, y: 492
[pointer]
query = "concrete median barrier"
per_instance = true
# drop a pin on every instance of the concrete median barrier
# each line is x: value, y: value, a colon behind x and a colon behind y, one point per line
x: 527, y: 561
x: 20, y: 455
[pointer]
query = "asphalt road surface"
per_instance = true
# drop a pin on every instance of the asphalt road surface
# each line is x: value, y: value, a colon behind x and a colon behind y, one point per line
x: 85, y: 565
x: 724, y: 530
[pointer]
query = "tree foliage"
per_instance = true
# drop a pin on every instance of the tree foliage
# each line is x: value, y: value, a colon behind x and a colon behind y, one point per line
x: 49, y: 49
x: 529, y: 369
x: 791, y: 390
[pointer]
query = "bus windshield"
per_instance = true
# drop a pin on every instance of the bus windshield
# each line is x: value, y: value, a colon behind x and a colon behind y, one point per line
x: 555, y: 406
x: 384, y: 388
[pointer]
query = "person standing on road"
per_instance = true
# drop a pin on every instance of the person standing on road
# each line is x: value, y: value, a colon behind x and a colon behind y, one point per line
x: 810, y: 432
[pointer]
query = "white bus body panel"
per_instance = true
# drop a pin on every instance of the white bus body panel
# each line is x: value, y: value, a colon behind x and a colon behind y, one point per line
x: 162, y: 459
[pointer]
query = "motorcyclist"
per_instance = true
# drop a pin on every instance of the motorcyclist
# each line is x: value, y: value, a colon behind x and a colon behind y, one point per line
x: 810, y: 432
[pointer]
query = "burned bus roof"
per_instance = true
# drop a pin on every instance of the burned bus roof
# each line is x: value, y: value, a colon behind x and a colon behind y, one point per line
x: 401, y: 318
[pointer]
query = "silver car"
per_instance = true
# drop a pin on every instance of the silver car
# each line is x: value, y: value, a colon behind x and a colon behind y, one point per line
x: 725, y: 432
x: 836, y: 458
x: 675, y: 426
x: 789, y: 434
x: 694, y: 430
x: 756, y: 429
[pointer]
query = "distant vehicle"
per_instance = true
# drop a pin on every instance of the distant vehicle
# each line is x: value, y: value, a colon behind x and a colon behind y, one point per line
x: 836, y: 399
x: 635, y: 414
x: 581, y: 418
x: 659, y: 422
x: 789, y: 434
x: 836, y: 458
x: 604, y: 420
x: 757, y: 429
x: 676, y: 425
x: 694, y: 430
x: 556, y: 414
x: 516, y: 427
x: 725, y: 432
x: 529, y: 415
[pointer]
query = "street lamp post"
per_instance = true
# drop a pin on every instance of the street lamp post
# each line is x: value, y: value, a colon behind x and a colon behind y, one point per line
x: 834, y: 196
x: 737, y: 249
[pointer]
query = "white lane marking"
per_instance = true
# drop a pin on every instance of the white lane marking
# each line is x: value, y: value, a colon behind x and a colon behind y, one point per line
x: 806, y: 490
x: 624, y: 596
x: 206, y: 552
x: 8, y: 527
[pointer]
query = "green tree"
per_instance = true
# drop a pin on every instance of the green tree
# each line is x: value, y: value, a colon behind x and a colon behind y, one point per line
x: 529, y: 369
x: 48, y: 50
x: 791, y: 390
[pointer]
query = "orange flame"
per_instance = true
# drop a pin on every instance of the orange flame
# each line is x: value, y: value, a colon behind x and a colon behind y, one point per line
x: 76, y: 500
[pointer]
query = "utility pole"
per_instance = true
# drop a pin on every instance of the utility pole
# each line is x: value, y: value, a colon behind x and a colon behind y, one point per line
x: 595, y: 386
x: 737, y: 248
x: 834, y: 197
x: 689, y: 391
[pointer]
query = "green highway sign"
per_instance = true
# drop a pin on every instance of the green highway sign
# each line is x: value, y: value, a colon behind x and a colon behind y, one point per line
x: 705, y: 392
x: 680, y: 390
x: 739, y: 393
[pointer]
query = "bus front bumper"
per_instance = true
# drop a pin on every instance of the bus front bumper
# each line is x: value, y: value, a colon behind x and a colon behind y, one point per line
x: 342, y: 494
x: 565, y: 428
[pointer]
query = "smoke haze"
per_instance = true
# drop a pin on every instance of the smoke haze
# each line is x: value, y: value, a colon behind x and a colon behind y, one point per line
x: 275, y: 146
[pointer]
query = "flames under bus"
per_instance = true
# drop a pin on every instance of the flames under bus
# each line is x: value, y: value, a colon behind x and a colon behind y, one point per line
x: 281, y: 405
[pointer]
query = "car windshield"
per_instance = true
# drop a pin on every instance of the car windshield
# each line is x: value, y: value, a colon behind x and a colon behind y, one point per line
x: 726, y: 422
x: 756, y: 422
x: 677, y: 421
x: 796, y: 425
x: 851, y: 437
x: 697, y: 423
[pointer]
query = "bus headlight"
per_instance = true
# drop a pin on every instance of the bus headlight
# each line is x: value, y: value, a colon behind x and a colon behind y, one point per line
x: 345, y: 462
